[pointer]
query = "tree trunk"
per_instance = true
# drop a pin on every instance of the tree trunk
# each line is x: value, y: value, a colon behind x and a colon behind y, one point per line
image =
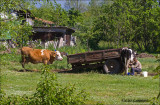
x: 139, y: 45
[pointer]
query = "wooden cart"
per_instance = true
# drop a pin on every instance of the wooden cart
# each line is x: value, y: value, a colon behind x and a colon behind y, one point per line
x: 109, y: 60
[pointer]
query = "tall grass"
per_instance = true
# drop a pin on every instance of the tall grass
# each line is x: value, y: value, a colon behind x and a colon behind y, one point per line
x: 15, y: 59
x: 12, y: 62
x: 78, y: 48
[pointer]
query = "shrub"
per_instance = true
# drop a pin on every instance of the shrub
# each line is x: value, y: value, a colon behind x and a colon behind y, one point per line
x: 156, y: 100
x: 48, y: 92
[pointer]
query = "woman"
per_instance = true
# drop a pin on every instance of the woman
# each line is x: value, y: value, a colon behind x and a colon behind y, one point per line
x: 136, y: 67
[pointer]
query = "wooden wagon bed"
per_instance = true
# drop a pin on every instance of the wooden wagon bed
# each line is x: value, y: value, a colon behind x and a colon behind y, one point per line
x: 96, y: 59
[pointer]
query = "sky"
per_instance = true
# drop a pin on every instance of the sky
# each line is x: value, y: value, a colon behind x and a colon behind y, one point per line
x: 62, y: 2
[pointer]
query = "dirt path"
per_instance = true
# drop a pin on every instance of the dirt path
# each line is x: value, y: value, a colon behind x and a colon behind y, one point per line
x: 145, y: 55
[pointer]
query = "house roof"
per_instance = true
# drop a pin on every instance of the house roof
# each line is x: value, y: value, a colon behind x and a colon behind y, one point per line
x: 61, y: 29
x: 44, y: 21
x: 28, y: 13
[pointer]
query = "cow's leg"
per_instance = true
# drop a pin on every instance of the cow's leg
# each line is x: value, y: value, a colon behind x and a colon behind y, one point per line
x: 23, y: 63
x: 128, y: 61
x: 126, y: 70
x: 23, y: 60
x: 45, y: 62
x: 125, y: 65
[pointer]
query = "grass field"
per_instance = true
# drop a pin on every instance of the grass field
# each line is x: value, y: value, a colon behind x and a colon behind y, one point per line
x: 106, y: 89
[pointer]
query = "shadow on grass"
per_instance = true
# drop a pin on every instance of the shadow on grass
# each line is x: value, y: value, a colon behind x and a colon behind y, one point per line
x: 63, y: 70
x: 76, y: 71
x: 26, y: 70
x: 135, y: 100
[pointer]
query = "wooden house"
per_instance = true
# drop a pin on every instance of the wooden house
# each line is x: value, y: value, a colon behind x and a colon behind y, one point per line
x: 58, y: 36
x: 48, y: 34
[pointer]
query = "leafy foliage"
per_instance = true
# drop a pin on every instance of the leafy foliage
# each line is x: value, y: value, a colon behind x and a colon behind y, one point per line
x: 74, y: 17
x: 48, y: 92
x: 119, y: 23
x: 156, y: 100
x: 122, y: 21
x: 78, y: 5
x: 13, y: 27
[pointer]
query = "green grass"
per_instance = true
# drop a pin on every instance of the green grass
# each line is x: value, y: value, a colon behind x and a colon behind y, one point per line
x: 19, y: 83
x: 106, y: 89
x: 148, y: 64
x: 112, y: 89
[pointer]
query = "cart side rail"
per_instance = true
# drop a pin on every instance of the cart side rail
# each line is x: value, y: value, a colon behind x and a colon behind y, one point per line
x: 94, y: 56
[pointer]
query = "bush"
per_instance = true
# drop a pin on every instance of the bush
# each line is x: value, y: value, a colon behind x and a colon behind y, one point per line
x: 156, y: 100
x: 48, y: 92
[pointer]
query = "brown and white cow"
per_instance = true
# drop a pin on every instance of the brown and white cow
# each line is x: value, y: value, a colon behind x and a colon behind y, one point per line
x: 39, y: 56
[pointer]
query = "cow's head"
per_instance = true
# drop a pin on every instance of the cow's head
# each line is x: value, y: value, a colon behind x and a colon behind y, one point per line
x: 128, y: 53
x: 57, y: 55
x: 133, y: 53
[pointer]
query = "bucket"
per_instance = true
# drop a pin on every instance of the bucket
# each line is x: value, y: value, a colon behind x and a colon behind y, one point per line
x: 128, y: 73
x: 145, y: 73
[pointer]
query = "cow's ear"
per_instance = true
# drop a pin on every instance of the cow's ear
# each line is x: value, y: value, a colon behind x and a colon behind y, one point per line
x: 53, y: 54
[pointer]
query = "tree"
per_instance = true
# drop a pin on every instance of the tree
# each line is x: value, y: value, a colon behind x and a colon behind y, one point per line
x: 52, y: 11
x: 19, y: 32
x: 145, y: 24
x: 85, y: 25
x: 93, y: 7
x: 84, y: 32
x: 134, y: 23
x: 74, y: 17
x: 76, y: 4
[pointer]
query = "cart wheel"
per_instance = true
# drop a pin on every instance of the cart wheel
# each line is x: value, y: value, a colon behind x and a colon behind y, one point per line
x: 111, y: 66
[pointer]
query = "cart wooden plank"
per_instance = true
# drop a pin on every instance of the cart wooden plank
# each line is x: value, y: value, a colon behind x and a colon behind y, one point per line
x: 94, y: 56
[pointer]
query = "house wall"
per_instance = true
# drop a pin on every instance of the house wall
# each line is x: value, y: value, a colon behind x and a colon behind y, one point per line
x: 30, y: 21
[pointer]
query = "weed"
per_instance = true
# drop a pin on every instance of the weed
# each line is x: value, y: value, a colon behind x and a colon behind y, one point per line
x: 155, y: 101
x: 48, y: 92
